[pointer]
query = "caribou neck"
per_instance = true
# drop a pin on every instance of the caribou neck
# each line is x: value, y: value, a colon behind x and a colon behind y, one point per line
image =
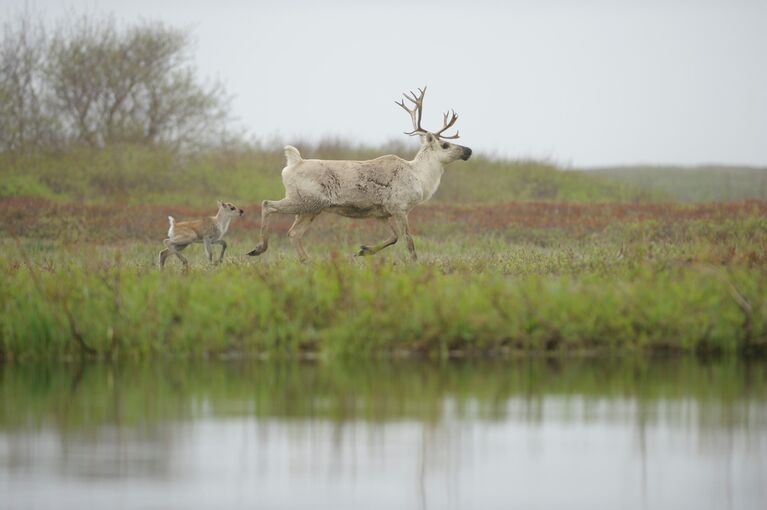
x: 428, y: 169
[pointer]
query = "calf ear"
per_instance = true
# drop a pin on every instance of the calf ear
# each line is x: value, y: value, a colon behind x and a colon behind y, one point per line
x: 219, y: 203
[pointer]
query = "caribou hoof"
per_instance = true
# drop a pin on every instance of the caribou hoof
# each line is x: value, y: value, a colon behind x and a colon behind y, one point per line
x: 257, y: 251
x: 364, y: 250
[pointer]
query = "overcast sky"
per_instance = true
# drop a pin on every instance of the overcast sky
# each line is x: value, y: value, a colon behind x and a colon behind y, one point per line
x: 583, y: 83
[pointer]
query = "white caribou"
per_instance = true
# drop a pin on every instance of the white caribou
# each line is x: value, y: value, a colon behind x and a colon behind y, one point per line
x: 386, y: 188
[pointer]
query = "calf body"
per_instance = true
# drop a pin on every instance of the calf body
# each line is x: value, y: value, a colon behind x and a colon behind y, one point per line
x: 208, y: 231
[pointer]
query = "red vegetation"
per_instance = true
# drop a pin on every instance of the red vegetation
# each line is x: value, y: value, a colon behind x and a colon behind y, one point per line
x: 47, y: 219
x: 583, y: 216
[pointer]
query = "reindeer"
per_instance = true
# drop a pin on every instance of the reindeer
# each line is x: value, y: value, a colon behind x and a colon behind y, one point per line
x: 386, y: 188
x: 208, y: 231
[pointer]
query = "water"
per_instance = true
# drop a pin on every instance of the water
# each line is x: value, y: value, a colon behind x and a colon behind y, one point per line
x: 514, y: 434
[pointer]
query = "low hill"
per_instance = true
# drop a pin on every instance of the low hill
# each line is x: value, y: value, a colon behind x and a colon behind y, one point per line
x: 138, y: 174
x: 692, y: 184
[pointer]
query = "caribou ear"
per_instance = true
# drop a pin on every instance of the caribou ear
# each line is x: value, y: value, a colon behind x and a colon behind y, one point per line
x: 219, y: 203
x: 429, y: 138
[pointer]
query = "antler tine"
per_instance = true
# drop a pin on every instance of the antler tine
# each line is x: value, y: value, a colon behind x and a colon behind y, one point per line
x: 447, y: 124
x: 452, y: 137
x: 416, y: 112
x: 417, y: 100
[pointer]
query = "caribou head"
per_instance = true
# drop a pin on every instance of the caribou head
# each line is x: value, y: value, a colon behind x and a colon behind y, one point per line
x: 434, y: 144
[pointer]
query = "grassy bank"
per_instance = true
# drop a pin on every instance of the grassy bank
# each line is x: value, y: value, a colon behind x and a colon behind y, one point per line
x: 515, y: 257
x: 546, y: 278
x: 343, y: 308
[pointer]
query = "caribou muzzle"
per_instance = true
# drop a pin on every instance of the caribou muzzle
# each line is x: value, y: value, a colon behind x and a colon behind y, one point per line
x: 466, y: 153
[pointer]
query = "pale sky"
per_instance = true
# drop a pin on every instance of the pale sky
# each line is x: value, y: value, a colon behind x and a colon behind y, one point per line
x: 582, y: 83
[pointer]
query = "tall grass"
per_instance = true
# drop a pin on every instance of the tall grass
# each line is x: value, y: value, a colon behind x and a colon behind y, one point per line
x: 641, y: 289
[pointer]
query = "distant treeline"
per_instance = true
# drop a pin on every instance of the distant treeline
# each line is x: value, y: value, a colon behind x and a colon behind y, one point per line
x: 91, y: 81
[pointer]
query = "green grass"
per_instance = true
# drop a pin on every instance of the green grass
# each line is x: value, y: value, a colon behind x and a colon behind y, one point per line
x: 682, y: 286
x: 515, y: 258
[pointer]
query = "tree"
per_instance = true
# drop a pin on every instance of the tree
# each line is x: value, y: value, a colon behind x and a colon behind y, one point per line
x: 25, y: 118
x: 97, y: 83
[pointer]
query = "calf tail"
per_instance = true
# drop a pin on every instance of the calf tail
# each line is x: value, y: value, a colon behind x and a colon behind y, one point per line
x: 172, y: 222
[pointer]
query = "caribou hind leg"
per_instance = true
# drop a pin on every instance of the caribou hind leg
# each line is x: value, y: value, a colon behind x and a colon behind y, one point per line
x: 297, y: 231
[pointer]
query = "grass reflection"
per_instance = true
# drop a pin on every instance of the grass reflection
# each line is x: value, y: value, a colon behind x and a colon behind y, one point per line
x: 72, y: 397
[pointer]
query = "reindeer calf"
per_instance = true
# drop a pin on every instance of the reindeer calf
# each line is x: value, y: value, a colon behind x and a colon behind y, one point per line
x: 208, y: 231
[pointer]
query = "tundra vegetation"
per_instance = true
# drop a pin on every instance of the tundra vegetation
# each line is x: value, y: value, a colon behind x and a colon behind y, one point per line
x: 515, y: 257
x: 522, y: 277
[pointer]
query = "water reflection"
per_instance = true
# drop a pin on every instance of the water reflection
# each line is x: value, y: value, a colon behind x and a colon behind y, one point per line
x: 588, y: 433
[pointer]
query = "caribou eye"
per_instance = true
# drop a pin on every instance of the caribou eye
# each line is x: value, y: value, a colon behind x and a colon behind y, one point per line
x: 444, y: 145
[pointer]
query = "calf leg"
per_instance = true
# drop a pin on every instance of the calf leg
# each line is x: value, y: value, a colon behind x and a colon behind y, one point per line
x: 164, y: 255
x: 208, y: 252
x: 223, y: 248
x: 177, y: 253
x: 173, y: 248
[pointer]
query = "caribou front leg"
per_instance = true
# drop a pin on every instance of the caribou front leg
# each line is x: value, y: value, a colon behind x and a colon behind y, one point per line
x: 399, y: 225
x: 372, y: 250
x: 410, y: 244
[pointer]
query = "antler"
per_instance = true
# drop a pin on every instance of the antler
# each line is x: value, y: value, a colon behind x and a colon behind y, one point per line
x: 447, y: 125
x: 416, y: 112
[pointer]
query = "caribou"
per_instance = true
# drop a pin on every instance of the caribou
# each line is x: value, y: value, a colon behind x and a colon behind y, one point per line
x: 386, y: 188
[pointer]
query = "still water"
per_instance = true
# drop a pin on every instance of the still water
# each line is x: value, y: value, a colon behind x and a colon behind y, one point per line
x: 461, y: 435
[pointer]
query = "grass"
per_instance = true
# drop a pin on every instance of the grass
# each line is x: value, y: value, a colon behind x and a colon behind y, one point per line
x: 543, y: 278
x: 515, y: 258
